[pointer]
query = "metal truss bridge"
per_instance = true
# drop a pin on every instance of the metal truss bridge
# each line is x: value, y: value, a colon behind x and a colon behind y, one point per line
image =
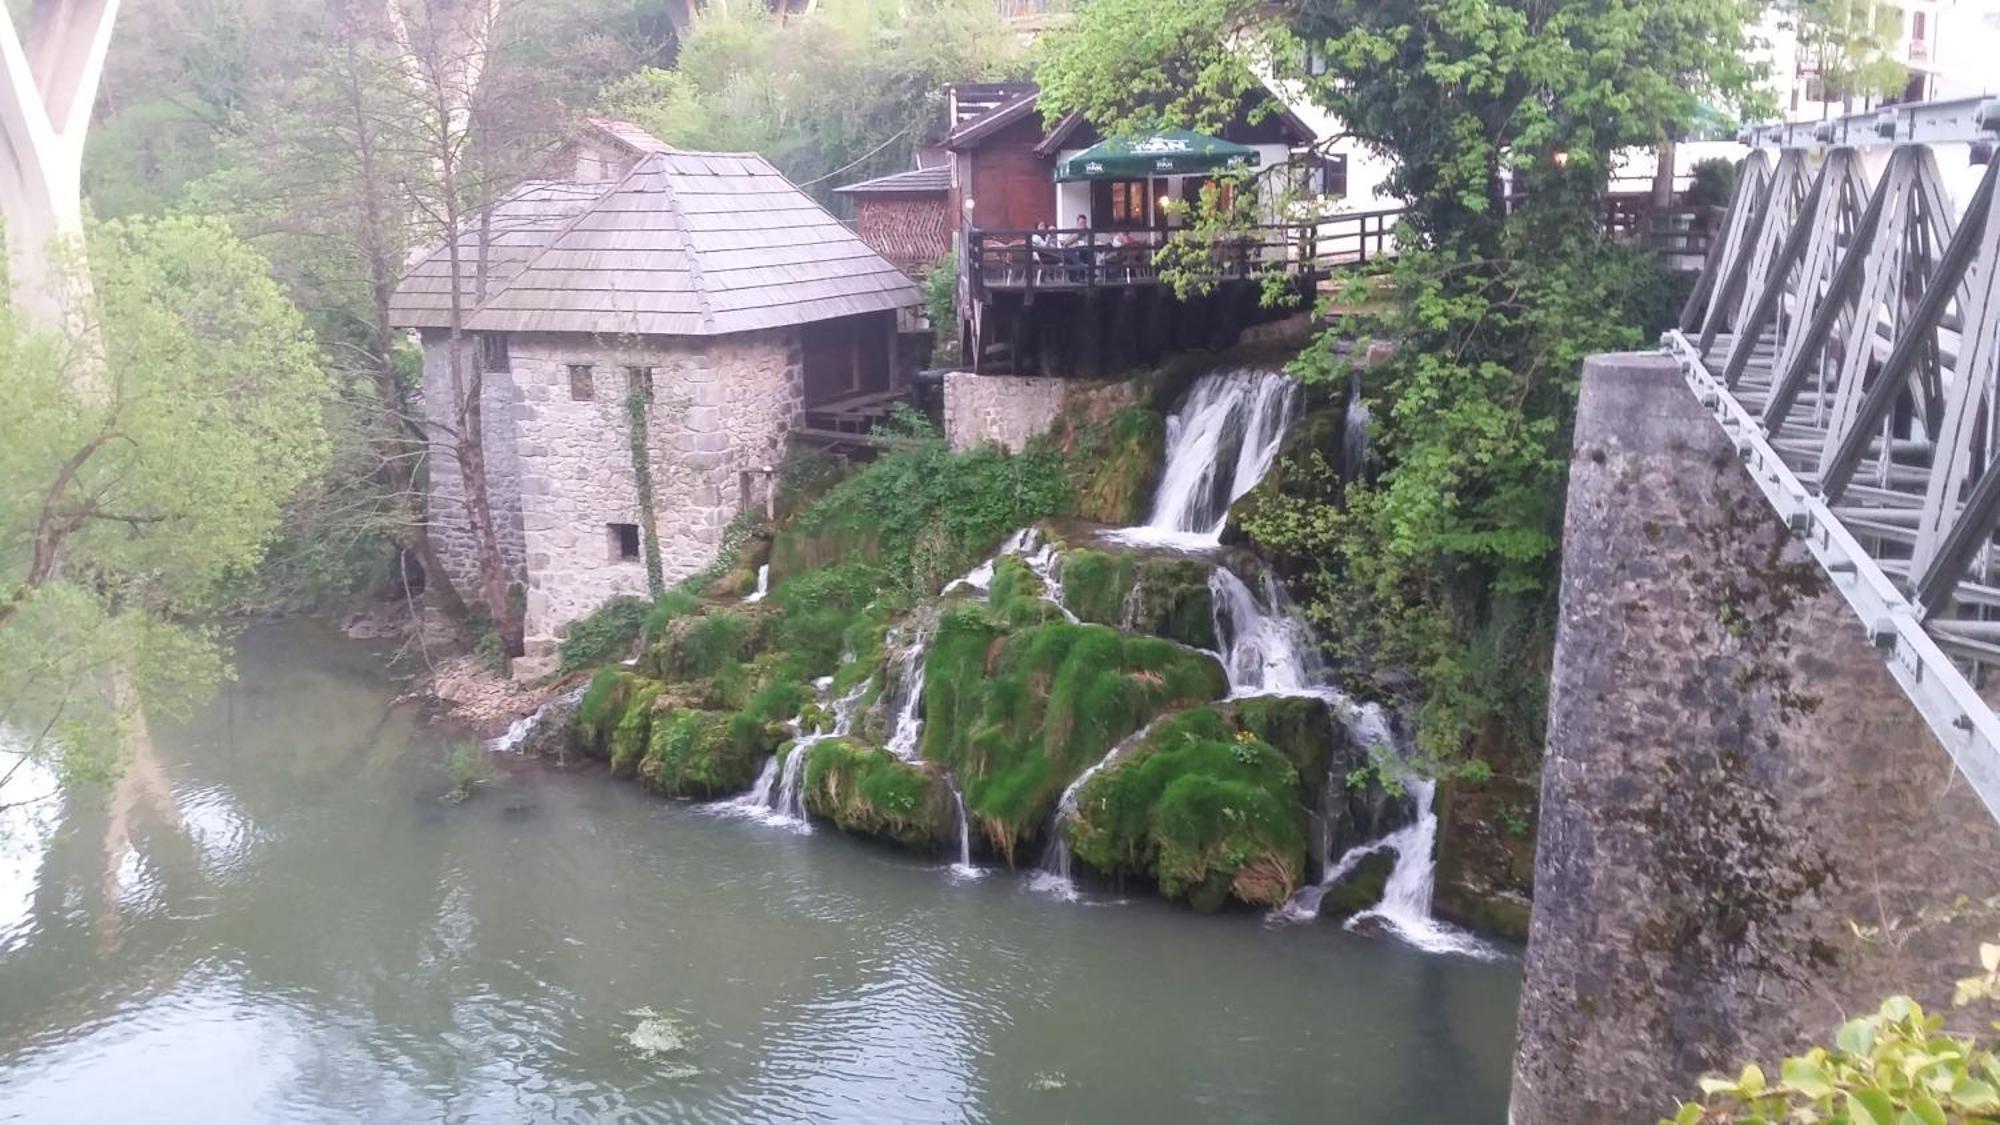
x: 1843, y: 331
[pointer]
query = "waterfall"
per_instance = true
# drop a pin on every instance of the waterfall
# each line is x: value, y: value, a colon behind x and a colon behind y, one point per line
x: 1354, y: 432
x: 964, y: 868
x: 1041, y: 558
x: 523, y: 728
x: 778, y: 795
x: 1406, y: 897
x: 1054, y: 874
x: 763, y: 585
x: 1267, y: 648
x: 1220, y: 443
x: 907, y: 727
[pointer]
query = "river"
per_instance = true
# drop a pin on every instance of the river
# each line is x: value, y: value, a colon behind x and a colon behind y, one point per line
x: 309, y: 934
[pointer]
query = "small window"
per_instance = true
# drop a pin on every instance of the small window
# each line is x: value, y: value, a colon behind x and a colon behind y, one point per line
x: 1332, y: 170
x: 493, y: 351
x: 580, y: 387
x: 640, y: 380
x: 624, y: 542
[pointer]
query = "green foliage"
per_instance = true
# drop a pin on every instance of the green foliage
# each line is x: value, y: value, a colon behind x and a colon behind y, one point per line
x: 467, y: 766
x: 1111, y: 462
x: 706, y: 753
x: 144, y: 462
x: 1895, y: 1065
x: 872, y: 792
x: 820, y: 611
x: 941, y: 309
x: 1850, y: 45
x: 1203, y: 808
x: 923, y: 515
x: 613, y: 717
x: 1018, y: 715
x: 637, y: 399
x: 1164, y: 596
x: 605, y: 634
x: 843, y: 96
x: 1714, y: 181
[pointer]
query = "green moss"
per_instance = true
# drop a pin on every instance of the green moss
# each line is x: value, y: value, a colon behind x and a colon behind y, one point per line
x: 872, y: 792
x: 1200, y: 808
x: 604, y: 708
x: 1019, y: 715
x: 698, y: 646
x: 923, y: 514
x: 706, y: 753
x: 1163, y: 596
x: 1015, y: 595
x: 1112, y: 463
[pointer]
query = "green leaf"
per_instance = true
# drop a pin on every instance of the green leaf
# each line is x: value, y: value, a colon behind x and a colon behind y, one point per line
x: 1971, y: 1093
x: 1856, y: 1037
x: 1806, y: 1078
x: 1926, y: 1111
x: 1751, y: 1081
x: 1871, y: 1107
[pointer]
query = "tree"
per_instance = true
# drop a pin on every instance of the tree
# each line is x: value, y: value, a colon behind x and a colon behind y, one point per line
x: 1849, y: 46
x: 316, y: 178
x: 144, y: 459
x: 1501, y: 116
x: 841, y: 95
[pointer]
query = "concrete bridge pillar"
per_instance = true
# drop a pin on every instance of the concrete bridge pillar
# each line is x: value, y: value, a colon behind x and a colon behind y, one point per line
x: 1746, y: 831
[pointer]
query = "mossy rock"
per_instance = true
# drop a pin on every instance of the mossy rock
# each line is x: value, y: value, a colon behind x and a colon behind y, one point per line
x: 703, y: 645
x: 706, y: 753
x: 1361, y: 888
x: 1114, y: 464
x: 1159, y: 595
x: 1205, y: 809
x: 612, y: 718
x: 1019, y: 714
x: 870, y: 792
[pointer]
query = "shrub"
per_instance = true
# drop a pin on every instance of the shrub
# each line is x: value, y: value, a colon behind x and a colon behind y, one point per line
x: 1204, y: 809
x: 606, y: 634
x: 872, y: 792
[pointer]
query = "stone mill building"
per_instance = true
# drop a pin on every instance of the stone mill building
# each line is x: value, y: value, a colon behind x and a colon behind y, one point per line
x: 688, y: 305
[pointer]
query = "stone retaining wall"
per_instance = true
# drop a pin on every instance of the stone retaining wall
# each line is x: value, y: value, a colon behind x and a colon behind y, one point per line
x: 1747, y: 833
x: 1001, y: 409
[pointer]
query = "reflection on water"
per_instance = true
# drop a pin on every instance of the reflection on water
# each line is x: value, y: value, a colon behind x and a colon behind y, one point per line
x: 307, y: 934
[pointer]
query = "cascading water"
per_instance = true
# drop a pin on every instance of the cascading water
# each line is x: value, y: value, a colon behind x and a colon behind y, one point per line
x: 906, y: 736
x: 1220, y: 443
x: 1041, y: 558
x: 1267, y: 648
x: 1354, y: 431
x: 1055, y: 874
x: 778, y: 794
x: 763, y: 585
x: 1406, y: 896
x: 521, y: 729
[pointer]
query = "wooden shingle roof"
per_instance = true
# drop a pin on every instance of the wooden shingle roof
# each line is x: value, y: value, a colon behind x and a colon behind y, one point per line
x: 695, y: 244
x: 519, y: 226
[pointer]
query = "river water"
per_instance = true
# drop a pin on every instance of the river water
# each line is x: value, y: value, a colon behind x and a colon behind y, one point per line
x: 300, y: 930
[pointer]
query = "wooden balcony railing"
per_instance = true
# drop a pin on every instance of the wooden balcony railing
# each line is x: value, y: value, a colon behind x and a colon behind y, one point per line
x: 1072, y: 259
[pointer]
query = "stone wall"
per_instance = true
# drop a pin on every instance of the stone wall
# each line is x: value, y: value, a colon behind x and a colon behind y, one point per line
x: 561, y: 466
x: 1733, y: 784
x: 720, y: 407
x: 1002, y: 409
x: 451, y: 519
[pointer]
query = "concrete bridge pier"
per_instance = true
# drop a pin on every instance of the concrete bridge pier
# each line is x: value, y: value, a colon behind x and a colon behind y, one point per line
x: 1747, y: 832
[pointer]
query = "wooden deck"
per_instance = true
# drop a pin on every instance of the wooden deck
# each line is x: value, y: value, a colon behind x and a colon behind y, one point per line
x: 1084, y: 260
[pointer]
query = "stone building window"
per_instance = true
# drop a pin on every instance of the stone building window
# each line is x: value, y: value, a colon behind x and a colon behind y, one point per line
x: 493, y: 352
x: 580, y: 387
x: 639, y: 380
x: 624, y: 542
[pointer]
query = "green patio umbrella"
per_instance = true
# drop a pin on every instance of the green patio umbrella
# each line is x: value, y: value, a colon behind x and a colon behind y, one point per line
x: 1168, y: 152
